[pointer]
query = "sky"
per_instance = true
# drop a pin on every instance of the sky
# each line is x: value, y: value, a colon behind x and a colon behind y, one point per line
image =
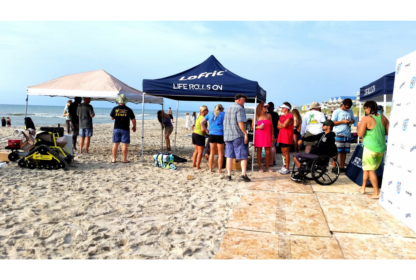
x: 295, y: 61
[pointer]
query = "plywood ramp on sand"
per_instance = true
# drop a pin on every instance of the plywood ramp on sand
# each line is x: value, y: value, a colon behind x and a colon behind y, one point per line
x: 280, y: 219
x: 240, y: 244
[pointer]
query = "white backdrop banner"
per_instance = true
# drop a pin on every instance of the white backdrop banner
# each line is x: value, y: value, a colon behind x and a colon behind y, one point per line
x: 398, y: 192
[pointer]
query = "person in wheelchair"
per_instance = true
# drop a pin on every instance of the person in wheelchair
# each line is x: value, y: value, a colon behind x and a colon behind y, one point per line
x: 325, y: 147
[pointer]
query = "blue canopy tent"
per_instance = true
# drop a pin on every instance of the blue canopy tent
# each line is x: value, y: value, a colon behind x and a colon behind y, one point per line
x: 379, y: 91
x: 208, y: 81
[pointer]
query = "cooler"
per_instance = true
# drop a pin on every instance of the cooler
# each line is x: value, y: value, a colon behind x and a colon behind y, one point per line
x: 68, y: 138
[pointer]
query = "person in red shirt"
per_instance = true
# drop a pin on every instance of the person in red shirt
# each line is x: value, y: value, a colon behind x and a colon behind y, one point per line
x: 285, y: 138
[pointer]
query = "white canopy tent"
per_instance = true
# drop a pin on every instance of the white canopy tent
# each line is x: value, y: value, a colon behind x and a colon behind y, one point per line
x: 97, y: 85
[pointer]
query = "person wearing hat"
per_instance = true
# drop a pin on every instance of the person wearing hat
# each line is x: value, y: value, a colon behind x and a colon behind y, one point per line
x: 121, y: 132
x: 85, y: 113
x: 236, y: 137
x: 343, y: 118
x: 325, y: 147
x: 312, y: 125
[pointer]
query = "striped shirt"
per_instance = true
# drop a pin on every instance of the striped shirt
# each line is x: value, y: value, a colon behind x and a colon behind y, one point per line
x: 233, y: 115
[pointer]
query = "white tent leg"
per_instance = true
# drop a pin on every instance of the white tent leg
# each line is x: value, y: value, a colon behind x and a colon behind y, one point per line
x: 162, y: 131
x: 176, y: 126
x: 254, y: 135
x: 385, y: 105
x: 27, y: 99
x: 143, y: 123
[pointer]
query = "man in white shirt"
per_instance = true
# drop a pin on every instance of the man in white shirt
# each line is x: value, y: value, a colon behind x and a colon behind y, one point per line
x: 312, y: 124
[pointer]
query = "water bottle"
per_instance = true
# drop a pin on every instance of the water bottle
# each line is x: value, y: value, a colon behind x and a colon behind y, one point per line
x: 262, y: 126
x: 263, y: 153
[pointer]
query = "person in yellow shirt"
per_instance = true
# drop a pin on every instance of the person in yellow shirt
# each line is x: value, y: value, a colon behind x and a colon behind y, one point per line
x: 198, y: 138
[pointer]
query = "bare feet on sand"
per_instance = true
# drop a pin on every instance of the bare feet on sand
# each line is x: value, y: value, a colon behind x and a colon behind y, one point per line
x: 374, y: 196
x: 219, y: 171
x: 361, y: 190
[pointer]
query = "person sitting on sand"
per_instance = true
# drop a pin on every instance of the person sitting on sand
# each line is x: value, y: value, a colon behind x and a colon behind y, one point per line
x: 198, y: 138
x: 121, y: 132
x: 8, y: 122
x: 85, y: 113
x: 374, y: 127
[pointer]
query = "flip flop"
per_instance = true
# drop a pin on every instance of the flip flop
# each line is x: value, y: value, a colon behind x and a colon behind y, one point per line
x: 113, y: 161
x: 269, y: 170
x: 126, y: 161
x: 261, y: 170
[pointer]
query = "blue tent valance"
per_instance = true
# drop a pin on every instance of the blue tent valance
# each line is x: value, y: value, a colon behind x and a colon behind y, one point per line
x: 208, y: 81
x: 377, y: 89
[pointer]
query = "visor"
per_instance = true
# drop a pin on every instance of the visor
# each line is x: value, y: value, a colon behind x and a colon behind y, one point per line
x: 284, y: 106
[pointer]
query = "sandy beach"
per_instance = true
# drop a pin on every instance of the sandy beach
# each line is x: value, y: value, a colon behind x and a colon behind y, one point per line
x: 116, y: 211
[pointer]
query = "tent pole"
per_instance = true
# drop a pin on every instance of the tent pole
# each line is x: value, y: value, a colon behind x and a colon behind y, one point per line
x: 27, y: 99
x: 162, y: 129
x: 142, y: 122
x: 385, y: 105
x: 176, y: 126
x: 359, y: 119
x: 254, y: 134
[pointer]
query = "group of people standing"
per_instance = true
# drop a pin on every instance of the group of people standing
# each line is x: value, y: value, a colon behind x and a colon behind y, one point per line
x: 6, y: 122
x: 79, y: 121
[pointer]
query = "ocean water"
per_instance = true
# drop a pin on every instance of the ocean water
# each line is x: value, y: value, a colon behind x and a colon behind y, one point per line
x: 52, y: 115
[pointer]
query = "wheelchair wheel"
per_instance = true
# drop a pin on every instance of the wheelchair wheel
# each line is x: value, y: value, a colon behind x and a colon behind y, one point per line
x: 323, y: 170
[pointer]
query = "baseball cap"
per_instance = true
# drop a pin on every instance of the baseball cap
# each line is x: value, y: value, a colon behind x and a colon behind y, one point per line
x: 238, y: 96
x: 329, y: 123
x: 271, y: 105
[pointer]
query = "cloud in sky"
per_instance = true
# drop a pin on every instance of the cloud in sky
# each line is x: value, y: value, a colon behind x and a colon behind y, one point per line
x: 295, y: 61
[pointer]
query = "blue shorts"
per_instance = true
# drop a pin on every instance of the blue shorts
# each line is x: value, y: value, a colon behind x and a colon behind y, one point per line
x: 343, y: 144
x: 236, y: 149
x: 121, y: 135
x: 85, y: 132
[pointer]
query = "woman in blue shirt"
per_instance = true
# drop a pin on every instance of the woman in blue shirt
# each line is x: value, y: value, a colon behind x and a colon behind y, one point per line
x: 216, y: 135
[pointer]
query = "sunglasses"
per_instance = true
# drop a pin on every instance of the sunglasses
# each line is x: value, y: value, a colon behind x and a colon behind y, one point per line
x: 365, y: 108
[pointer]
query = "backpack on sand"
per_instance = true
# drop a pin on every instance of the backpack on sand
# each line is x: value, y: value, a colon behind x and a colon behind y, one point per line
x: 164, y: 160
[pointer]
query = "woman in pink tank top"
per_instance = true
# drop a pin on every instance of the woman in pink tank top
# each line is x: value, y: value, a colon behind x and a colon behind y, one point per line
x: 264, y: 134
x: 285, y: 138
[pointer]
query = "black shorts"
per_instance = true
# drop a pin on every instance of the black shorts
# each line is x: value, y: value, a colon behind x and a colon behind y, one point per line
x: 284, y: 145
x: 198, y: 140
x: 170, y: 116
x: 219, y: 139
x: 295, y: 131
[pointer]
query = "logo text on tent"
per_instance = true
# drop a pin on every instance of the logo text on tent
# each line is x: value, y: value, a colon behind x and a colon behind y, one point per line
x: 203, y: 75
x: 370, y: 90
x: 197, y: 86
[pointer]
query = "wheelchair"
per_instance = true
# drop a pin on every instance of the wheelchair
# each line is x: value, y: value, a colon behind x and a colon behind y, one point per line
x: 324, y: 170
